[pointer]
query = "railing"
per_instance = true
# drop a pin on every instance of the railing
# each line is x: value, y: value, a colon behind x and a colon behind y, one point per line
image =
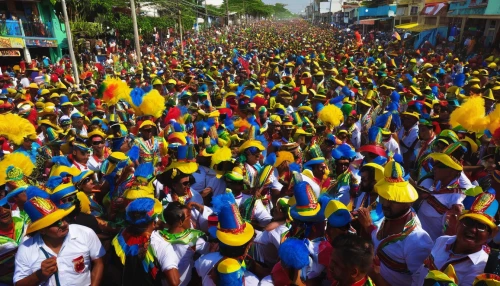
x: 38, y: 29
x: 10, y: 28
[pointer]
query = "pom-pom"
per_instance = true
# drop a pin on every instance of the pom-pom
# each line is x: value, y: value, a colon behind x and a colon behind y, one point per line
x: 136, y: 96
x: 145, y: 170
x: 15, y: 128
x: 471, y: 115
x: 53, y: 182
x: 331, y: 116
x: 17, y: 159
x: 153, y: 104
x: 173, y: 113
x: 113, y: 91
x: 221, y: 200
x: 294, y: 253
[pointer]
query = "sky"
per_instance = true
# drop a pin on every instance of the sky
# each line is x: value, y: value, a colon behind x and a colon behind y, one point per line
x: 295, y: 6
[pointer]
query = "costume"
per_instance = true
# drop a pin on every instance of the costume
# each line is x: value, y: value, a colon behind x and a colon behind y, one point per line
x: 8, y: 249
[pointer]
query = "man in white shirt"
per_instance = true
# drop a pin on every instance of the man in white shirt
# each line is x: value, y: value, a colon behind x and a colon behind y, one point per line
x: 57, y: 253
x: 408, y: 137
x: 466, y: 251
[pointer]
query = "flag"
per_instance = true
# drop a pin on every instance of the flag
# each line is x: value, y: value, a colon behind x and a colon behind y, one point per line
x: 244, y: 63
x: 397, y: 36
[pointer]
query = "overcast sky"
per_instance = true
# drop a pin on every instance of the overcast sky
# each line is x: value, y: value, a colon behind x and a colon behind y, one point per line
x: 295, y: 6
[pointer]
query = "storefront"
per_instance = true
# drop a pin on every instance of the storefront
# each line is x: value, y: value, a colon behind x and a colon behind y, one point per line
x: 11, y: 50
x: 41, y: 47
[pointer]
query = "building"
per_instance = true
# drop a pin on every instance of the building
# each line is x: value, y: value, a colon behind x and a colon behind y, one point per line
x: 30, y: 29
x: 479, y: 18
x: 407, y: 11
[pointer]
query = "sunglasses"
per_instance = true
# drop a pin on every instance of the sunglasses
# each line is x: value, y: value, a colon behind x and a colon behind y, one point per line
x: 86, y: 180
x: 470, y: 223
x: 96, y: 143
x: 186, y: 183
x: 57, y: 224
x: 68, y: 199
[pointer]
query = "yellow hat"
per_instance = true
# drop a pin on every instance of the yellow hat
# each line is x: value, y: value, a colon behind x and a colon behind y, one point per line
x: 33, y: 85
x: 251, y: 143
x: 448, y: 275
x: 275, y: 118
x: 282, y: 156
x: 447, y: 160
x: 394, y: 187
x: 379, y: 170
x: 487, y: 279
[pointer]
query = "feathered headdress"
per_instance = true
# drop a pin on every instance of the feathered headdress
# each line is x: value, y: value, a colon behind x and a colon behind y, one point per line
x: 112, y: 90
x: 17, y: 159
x: 16, y: 128
x: 331, y: 116
x: 471, y: 115
x: 150, y: 103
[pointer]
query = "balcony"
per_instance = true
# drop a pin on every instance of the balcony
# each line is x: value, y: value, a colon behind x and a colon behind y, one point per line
x: 37, y: 29
x: 31, y: 29
x: 10, y: 28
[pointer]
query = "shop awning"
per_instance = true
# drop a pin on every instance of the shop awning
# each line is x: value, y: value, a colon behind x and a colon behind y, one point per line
x: 437, y: 9
x: 370, y: 21
x: 415, y: 27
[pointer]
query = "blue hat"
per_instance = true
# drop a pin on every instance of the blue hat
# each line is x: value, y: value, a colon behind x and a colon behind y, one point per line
x: 183, y: 158
x: 12, y: 194
x: 43, y: 213
x: 76, y: 115
x: 306, y: 206
x: 337, y: 214
x: 294, y: 253
x: 232, y: 229
x: 142, y: 210
x: 230, y: 273
x: 61, y: 191
x: 343, y: 151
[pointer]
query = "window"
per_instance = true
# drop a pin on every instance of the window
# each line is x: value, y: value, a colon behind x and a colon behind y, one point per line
x: 414, y: 10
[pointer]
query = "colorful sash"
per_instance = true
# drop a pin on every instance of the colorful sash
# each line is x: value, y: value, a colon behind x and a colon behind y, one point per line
x: 400, y: 267
x: 7, y: 259
x: 187, y: 237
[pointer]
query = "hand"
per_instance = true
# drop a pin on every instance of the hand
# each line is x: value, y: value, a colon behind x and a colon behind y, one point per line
x: 197, y: 206
x: 206, y: 192
x: 48, y: 267
x: 364, y: 218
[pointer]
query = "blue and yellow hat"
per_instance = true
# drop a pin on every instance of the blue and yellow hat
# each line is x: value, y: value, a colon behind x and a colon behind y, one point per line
x: 230, y: 272
x: 43, y: 213
x: 394, y: 187
x: 232, y: 229
x: 83, y: 174
x: 52, y: 136
x: 143, y: 210
x: 184, y: 159
x: 61, y: 191
x: 81, y: 146
x: 480, y: 206
x: 448, y: 156
x: 306, y: 206
x: 315, y: 156
x: 337, y: 214
x: 12, y: 194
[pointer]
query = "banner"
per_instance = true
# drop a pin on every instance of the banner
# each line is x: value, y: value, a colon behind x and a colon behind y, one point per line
x: 6, y: 43
x: 41, y: 43
x: 430, y: 35
x: 10, y: 53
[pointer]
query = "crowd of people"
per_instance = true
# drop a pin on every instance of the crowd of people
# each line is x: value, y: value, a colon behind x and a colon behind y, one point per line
x: 276, y: 153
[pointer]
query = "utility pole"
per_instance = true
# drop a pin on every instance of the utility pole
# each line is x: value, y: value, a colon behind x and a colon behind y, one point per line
x: 70, y: 43
x: 180, y: 32
x: 136, y: 31
x: 206, y: 14
x: 244, y: 11
x: 227, y: 11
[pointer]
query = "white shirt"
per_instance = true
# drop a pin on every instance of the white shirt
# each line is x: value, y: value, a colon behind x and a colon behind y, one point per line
x: 409, y: 139
x: 466, y: 271
x: 412, y: 250
x: 25, y: 82
x: 81, y: 244
x: 207, y: 262
x: 392, y: 146
x: 164, y: 251
x: 185, y: 254
x: 198, y: 220
x: 267, y: 243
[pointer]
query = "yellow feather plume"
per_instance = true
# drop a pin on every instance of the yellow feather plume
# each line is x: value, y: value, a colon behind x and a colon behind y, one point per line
x: 331, y: 115
x: 222, y: 154
x: 153, y: 104
x: 15, y: 159
x: 470, y: 115
x: 114, y: 90
x: 15, y: 128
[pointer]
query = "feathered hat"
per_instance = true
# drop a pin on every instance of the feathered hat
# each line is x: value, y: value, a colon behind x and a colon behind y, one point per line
x: 143, y: 210
x: 306, y: 207
x: 22, y: 129
x: 331, y: 116
x: 147, y: 104
x: 23, y: 165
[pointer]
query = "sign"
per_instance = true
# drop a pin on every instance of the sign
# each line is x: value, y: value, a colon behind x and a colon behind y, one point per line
x: 10, y: 53
x: 478, y: 3
x: 6, y: 43
x: 41, y: 43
